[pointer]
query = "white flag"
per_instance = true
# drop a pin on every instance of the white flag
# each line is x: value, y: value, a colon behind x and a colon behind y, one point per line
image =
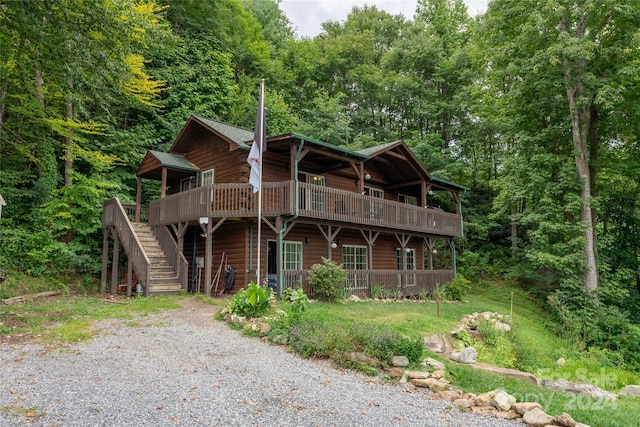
x: 259, y: 144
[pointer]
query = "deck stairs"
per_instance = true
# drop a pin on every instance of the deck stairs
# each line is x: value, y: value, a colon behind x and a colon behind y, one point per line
x: 163, y: 278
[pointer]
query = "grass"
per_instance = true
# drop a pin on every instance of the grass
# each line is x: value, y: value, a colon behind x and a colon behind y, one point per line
x: 531, y: 345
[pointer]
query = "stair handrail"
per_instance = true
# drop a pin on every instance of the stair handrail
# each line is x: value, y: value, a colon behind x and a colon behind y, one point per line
x: 132, y: 246
x: 177, y: 260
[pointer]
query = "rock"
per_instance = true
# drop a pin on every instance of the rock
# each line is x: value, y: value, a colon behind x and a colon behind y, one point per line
x: 537, y: 418
x: 485, y: 410
x: 459, y: 328
x: 396, y: 372
x: 524, y: 407
x: 569, y: 387
x: 437, y: 374
x: 448, y: 395
x: 438, y: 343
x: 431, y: 383
x: 503, y: 401
x: 462, y: 403
x: 357, y: 356
x: 468, y: 355
x: 561, y: 362
x: 400, y: 361
x: 476, y: 335
x: 582, y: 425
x: 507, y: 415
x: 484, y: 399
x: 508, y: 372
x: 502, y: 327
x: 417, y: 375
x: 565, y: 420
x: 630, y: 390
x: 436, y: 365
x: 354, y: 298
x: 265, y: 328
x: 487, y: 315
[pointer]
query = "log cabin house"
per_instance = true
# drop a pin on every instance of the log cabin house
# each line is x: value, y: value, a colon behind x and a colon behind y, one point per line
x: 376, y: 211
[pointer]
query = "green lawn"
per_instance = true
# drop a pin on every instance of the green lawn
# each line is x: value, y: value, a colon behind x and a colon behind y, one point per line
x: 534, y: 346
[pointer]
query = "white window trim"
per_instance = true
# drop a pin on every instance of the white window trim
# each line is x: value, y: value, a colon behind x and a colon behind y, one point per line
x: 203, y: 173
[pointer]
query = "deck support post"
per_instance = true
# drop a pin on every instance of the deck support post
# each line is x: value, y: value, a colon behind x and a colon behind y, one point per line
x: 105, y: 259
x: 114, y: 264
x: 138, y: 199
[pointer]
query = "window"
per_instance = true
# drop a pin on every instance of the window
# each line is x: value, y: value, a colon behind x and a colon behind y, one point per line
x: 207, y: 177
x: 409, y: 200
x: 292, y: 255
x: 315, y: 201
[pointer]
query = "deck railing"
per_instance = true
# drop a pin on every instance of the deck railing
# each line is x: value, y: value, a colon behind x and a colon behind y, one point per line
x: 176, y: 259
x: 114, y: 215
x: 278, y: 198
x: 388, y: 282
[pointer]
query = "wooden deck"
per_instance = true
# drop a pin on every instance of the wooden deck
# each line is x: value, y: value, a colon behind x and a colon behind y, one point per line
x: 310, y: 201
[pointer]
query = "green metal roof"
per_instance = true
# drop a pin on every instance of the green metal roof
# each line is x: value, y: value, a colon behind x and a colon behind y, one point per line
x: 445, y: 182
x: 331, y: 146
x: 173, y: 161
x: 236, y: 134
x: 372, y: 150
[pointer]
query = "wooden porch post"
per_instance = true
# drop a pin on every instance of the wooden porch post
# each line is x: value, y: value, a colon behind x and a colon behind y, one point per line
x: 163, y: 191
x: 208, y: 255
x: 138, y: 199
x: 105, y: 259
x: 116, y: 261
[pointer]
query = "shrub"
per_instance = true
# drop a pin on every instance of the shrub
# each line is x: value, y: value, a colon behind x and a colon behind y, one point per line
x: 457, y: 288
x: 252, y: 302
x: 327, y: 280
x: 296, y: 299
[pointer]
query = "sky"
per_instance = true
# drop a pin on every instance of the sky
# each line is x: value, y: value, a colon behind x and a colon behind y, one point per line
x: 307, y: 15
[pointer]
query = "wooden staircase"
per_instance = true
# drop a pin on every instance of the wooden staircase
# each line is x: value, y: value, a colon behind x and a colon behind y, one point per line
x: 163, y: 278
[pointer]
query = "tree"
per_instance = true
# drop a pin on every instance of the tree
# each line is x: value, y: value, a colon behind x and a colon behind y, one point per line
x: 575, y: 48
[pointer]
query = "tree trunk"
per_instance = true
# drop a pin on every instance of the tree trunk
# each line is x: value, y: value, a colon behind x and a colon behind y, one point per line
x: 580, y: 132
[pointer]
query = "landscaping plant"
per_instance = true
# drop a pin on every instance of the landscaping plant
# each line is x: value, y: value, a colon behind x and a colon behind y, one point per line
x: 327, y: 280
x: 252, y: 302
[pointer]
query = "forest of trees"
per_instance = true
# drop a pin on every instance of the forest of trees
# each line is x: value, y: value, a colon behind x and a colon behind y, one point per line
x: 533, y: 106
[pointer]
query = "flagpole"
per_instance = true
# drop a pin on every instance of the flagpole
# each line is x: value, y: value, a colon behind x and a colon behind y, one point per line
x: 262, y: 148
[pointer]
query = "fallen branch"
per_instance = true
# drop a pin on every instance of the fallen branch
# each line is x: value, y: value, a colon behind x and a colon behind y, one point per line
x: 25, y: 298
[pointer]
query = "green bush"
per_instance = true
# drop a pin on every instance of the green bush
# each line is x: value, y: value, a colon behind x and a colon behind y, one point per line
x: 252, y: 302
x: 385, y: 344
x: 327, y: 280
x: 457, y: 288
x: 296, y: 300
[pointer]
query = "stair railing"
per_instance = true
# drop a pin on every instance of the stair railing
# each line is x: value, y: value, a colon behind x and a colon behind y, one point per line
x: 177, y: 260
x: 132, y: 246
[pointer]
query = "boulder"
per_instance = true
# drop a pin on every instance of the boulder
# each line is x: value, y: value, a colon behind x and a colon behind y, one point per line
x: 630, y: 390
x: 438, y: 343
x: 358, y: 356
x: 433, y: 363
x: 412, y: 375
x: 524, y: 407
x: 537, y: 418
x: 502, y: 327
x: 484, y: 399
x: 462, y: 403
x: 484, y: 410
x: 396, y: 372
x: 354, y: 298
x: 569, y: 387
x: 565, y: 420
x: 503, y: 401
x: 400, y: 361
x: 561, y: 362
x: 449, y: 395
x: 437, y: 374
x: 507, y: 415
x: 468, y: 355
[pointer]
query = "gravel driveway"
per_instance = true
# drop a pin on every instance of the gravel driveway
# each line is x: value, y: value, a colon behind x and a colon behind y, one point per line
x: 183, y: 368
